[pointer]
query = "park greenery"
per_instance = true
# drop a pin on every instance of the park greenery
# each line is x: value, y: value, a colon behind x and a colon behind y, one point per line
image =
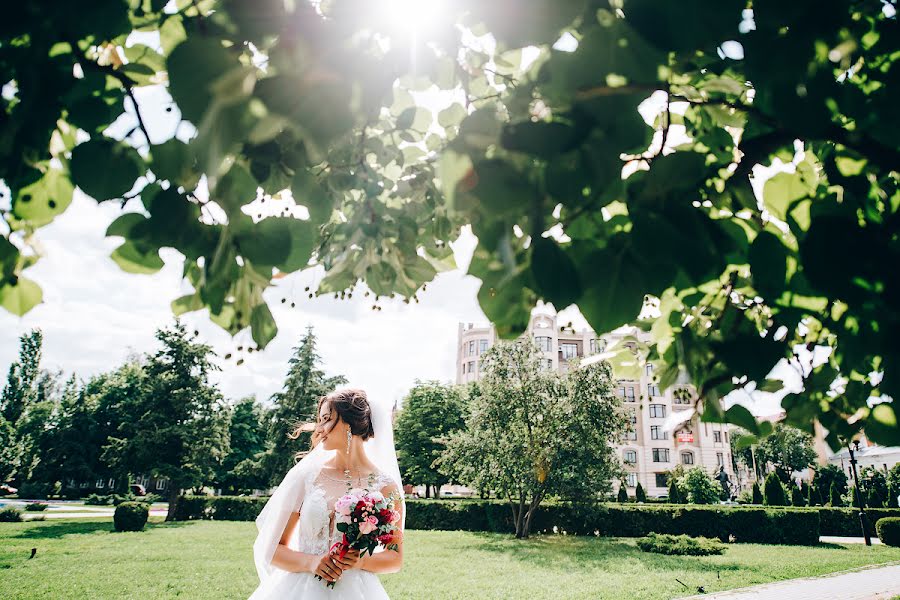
x: 157, y: 414
x: 302, y: 141
x: 531, y: 432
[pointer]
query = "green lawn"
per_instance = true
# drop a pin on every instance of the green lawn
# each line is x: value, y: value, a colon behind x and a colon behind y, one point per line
x: 84, y: 559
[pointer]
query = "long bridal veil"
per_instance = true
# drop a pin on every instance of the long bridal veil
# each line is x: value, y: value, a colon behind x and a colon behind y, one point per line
x: 289, y: 494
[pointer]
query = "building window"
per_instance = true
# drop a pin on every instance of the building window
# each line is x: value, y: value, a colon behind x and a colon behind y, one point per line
x: 656, y: 433
x: 648, y: 369
x: 631, y: 435
x: 630, y: 457
x: 717, y: 437
x: 482, y: 346
x: 627, y: 392
x: 471, y: 347
x: 568, y: 350
x: 681, y: 396
x: 112, y: 482
x: 660, y: 455
x: 594, y: 346
x: 632, y: 417
x: 83, y: 484
x: 662, y: 480
x: 100, y: 483
x: 161, y: 484
x: 687, y: 458
x: 471, y: 366
x: 652, y: 390
x: 657, y: 411
x: 720, y: 459
x: 544, y: 342
x: 631, y: 479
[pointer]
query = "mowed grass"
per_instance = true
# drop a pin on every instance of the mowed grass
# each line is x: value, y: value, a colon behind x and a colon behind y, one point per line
x: 84, y: 559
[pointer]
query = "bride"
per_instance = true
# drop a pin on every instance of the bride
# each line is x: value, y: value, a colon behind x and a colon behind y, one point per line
x: 353, y: 448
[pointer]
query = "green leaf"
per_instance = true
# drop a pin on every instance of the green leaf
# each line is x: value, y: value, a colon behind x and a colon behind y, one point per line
x: 186, y: 304
x: 262, y: 325
x: 414, y: 117
x: 782, y: 190
x: 21, y: 296
x: 617, y: 291
x: 40, y: 202
x: 542, y: 139
x: 143, y: 64
x: 768, y: 264
x: 123, y: 224
x: 132, y: 260
x: 554, y: 272
x: 235, y: 189
x: 282, y: 242
x: 172, y: 160
x: 501, y: 188
x: 105, y: 169
x: 307, y: 191
x: 194, y: 65
x: 452, y: 115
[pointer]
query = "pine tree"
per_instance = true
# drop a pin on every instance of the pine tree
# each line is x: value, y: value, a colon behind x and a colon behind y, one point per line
x: 674, y: 492
x: 835, y: 495
x: 874, y: 500
x: 757, y: 494
x: 623, y: 493
x: 21, y: 381
x: 797, y: 498
x: 774, y: 491
x: 639, y: 494
x: 296, y: 404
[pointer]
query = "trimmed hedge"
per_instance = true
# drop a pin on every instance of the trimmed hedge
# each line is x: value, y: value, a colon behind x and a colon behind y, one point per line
x: 131, y: 516
x: 845, y: 521
x: 679, y: 545
x: 889, y: 531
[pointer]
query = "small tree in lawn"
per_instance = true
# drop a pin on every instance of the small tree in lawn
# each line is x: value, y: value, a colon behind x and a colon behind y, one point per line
x: 757, y: 494
x: 639, y: 494
x: 797, y: 498
x: 822, y: 482
x: 531, y: 432
x: 674, y: 492
x: 176, y: 426
x: 893, y: 482
x: 431, y: 412
x: 835, y: 496
x: 788, y: 449
x: 700, y: 488
x: 774, y: 491
x: 247, y: 424
x: 622, y: 496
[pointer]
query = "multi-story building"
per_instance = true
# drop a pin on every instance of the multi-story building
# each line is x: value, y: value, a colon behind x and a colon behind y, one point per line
x: 649, y: 450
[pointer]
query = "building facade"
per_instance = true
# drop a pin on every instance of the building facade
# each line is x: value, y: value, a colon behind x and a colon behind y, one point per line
x: 648, y: 451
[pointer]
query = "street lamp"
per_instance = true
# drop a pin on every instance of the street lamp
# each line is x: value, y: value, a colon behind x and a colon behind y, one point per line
x: 859, y: 496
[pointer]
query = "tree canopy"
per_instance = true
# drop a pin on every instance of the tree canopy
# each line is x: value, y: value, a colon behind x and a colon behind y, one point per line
x: 300, y: 141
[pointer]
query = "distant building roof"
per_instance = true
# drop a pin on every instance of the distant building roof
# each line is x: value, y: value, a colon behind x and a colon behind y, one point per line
x: 869, y: 451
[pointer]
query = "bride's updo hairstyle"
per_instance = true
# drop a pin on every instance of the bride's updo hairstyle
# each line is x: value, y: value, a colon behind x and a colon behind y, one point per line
x: 351, y: 405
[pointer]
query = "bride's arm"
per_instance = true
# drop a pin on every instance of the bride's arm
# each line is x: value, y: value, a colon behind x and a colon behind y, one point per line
x: 388, y: 561
x: 293, y: 561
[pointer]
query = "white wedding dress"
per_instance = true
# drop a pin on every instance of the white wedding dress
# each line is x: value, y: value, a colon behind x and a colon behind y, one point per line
x: 316, y: 534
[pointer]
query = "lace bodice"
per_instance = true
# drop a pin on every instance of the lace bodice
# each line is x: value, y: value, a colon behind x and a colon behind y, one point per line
x: 316, y: 522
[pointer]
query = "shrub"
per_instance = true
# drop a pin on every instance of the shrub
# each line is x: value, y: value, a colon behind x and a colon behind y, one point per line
x: 674, y: 493
x: 874, y: 499
x: 131, y: 516
x: 835, y: 495
x: 236, y: 508
x: 189, y: 508
x: 36, y: 506
x: 797, y: 498
x: 10, y: 514
x: 757, y: 495
x: 98, y: 500
x: 845, y: 521
x: 745, y: 497
x: 889, y: 531
x: 639, y: 494
x: 35, y: 490
x: 700, y: 487
x: 682, y: 545
x: 774, y: 491
x: 623, y: 493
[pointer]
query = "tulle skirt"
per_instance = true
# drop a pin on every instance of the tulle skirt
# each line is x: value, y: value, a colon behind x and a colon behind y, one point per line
x: 355, y: 584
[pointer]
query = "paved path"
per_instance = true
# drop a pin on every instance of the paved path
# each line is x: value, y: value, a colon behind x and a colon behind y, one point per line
x: 835, y: 539
x: 878, y: 583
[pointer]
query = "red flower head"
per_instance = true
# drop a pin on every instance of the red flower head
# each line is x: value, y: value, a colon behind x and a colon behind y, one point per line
x: 385, y: 515
x: 385, y: 538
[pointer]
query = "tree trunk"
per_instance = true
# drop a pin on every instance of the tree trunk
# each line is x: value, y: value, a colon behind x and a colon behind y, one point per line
x: 174, y: 492
x: 427, y: 491
x: 520, y: 518
x: 437, y: 491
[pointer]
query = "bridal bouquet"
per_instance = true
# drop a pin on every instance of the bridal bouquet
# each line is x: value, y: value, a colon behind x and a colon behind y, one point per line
x: 366, y: 520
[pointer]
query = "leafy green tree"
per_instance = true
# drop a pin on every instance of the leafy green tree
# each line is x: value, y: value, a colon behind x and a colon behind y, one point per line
x: 824, y: 478
x: 757, y: 494
x: 875, y: 485
x: 431, y: 412
x: 797, y: 498
x: 295, y: 404
x: 700, y: 488
x: 531, y: 432
x: 540, y: 145
x: 893, y: 480
x: 773, y: 491
x: 247, y: 430
x: 622, y: 495
x: 175, y: 426
x: 787, y: 449
x: 639, y: 494
x: 21, y: 381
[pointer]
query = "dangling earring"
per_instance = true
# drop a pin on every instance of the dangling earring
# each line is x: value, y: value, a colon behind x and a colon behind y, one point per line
x: 349, y: 435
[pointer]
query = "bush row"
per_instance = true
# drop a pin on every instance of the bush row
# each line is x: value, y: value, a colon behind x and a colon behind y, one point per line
x: 742, y: 524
